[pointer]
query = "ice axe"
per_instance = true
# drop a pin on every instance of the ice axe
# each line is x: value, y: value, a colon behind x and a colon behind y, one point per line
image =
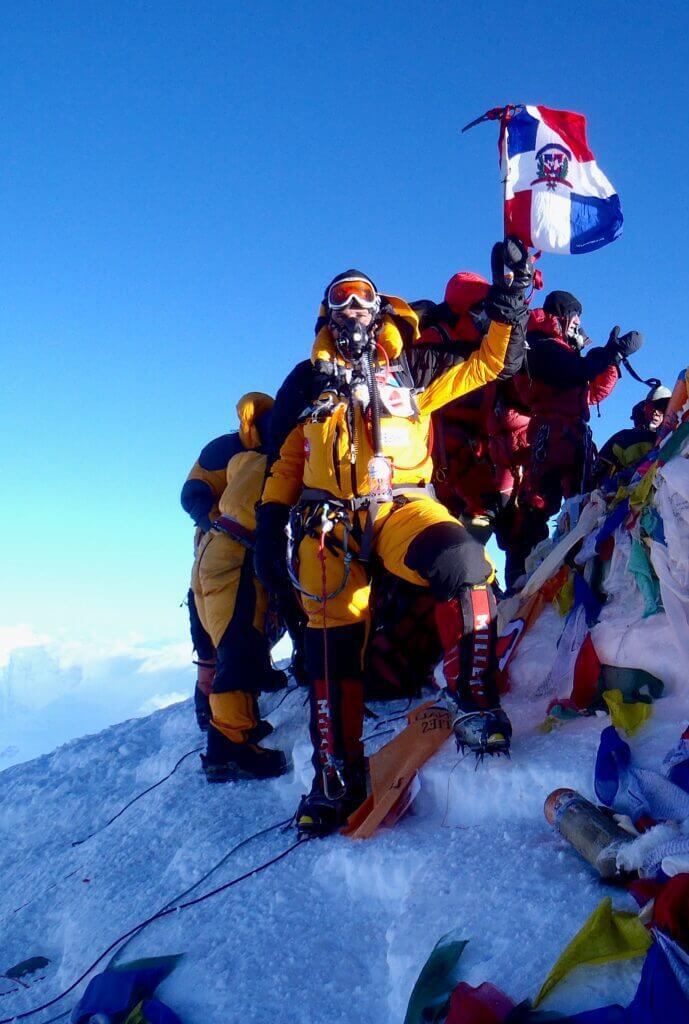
x: 504, y: 114
x: 495, y: 114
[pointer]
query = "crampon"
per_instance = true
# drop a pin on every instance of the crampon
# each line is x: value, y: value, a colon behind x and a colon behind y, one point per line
x: 483, y: 732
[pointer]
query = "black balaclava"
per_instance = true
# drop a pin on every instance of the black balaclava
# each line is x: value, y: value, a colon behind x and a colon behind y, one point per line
x: 563, y: 306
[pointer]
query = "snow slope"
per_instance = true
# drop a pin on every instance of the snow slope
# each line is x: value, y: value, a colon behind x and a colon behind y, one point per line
x: 337, y: 931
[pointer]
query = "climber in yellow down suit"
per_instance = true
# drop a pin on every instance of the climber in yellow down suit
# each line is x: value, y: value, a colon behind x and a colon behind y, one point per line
x: 355, y: 472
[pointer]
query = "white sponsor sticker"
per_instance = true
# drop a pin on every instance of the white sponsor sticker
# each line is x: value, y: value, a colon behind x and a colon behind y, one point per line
x: 394, y: 437
x: 397, y: 401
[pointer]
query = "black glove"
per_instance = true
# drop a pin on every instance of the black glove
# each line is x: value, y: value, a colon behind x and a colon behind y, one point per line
x: 512, y: 272
x: 270, y: 548
x: 510, y: 265
x: 625, y: 345
x: 204, y: 524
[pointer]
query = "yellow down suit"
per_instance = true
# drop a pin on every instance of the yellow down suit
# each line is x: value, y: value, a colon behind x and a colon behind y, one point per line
x: 326, y: 455
x: 230, y: 601
x: 322, y: 470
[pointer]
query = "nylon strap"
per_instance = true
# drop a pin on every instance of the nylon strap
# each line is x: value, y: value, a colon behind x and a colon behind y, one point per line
x: 652, y: 382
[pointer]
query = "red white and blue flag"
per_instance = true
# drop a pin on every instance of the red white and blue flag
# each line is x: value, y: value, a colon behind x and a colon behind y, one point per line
x: 557, y: 199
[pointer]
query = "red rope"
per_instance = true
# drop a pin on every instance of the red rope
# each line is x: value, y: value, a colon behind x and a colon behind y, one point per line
x: 324, y: 584
x: 386, y: 376
x: 326, y: 668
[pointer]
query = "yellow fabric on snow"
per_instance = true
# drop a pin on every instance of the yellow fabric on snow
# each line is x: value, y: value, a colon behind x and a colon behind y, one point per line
x: 629, y: 717
x: 631, y: 455
x: 395, y: 765
x: 607, y: 935
x: 564, y: 599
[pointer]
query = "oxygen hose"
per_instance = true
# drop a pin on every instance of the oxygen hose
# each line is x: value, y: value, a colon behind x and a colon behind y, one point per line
x: 374, y: 396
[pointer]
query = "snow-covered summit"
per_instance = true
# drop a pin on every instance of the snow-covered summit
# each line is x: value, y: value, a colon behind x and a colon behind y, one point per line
x: 336, y: 931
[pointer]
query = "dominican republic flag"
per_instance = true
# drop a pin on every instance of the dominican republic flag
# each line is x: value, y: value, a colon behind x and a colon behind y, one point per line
x: 556, y: 197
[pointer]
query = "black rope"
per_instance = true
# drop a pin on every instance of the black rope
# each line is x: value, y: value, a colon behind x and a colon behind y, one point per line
x: 283, y: 698
x: 101, y: 828
x: 78, y: 842
x: 386, y: 721
x: 164, y: 912
x: 211, y: 871
x: 375, y: 735
x: 49, y: 889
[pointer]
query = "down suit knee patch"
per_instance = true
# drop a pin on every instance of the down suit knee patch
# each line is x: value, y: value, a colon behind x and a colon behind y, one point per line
x: 449, y: 558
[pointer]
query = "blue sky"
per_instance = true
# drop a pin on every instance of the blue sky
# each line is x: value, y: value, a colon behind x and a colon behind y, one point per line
x: 179, y: 181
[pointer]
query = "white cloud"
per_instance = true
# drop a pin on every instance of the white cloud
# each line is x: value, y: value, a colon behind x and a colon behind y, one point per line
x: 53, y: 689
x: 172, y: 656
x: 14, y: 638
x: 160, y: 700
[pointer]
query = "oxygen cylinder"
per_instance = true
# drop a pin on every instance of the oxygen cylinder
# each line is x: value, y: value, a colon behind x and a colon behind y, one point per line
x: 593, y: 833
x: 380, y: 478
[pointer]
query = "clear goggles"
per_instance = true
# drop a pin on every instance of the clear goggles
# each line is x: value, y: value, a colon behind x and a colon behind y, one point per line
x: 344, y: 293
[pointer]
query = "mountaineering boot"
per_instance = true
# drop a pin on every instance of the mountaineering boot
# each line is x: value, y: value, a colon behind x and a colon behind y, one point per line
x: 262, y: 727
x: 483, y: 731
x: 260, y: 731
x: 339, y: 782
x: 232, y: 751
x: 204, y: 681
x: 467, y: 628
x: 225, y: 761
x: 320, y: 814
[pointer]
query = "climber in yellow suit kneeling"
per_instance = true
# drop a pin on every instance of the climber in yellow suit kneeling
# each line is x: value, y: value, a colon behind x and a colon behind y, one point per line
x: 232, y: 605
x: 355, y: 472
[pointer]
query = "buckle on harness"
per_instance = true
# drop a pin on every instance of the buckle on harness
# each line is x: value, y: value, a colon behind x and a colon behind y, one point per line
x: 319, y: 522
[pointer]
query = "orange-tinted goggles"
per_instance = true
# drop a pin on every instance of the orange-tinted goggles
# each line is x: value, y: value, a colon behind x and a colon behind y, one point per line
x: 343, y: 293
